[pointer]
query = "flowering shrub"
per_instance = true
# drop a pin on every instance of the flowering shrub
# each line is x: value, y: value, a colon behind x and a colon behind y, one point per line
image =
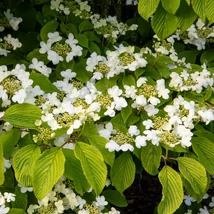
x: 83, y: 98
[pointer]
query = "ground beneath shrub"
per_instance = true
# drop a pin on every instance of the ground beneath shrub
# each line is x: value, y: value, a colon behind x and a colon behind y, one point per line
x: 143, y: 196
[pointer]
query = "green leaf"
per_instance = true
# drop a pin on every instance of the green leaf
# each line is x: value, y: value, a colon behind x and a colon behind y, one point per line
x: 99, y: 143
x: 164, y: 23
x: 209, y: 10
x: 172, y: 192
x: 204, y: 150
x: 68, y: 28
x: 73, y: 171
x: 16, y: 211
x: 200, y: 8
x: 190, y: 55
x: 171, y: 6
x: 115, y: 198
x: 35, y: 54
x: 82, y: 40
x: 89, y: 129
x: 151, y: 157
x: 8, y: 140
x: 186, y: 16
x: 47, y: 170
x: 1, y: 165
x: 49, y: 27
x: 123, y: 172
x: 125, y: 113
x: 189, y: 190
x: 9, y: 59
x: 85, y: 25
x: 129, y: 80
x: 23, y: 162
x: 21, y: 199
x: 194, y: 172
x: 147, y: 8
x: 208, y: 93
x: 80, y: 69
x: 207, y: 56
x: 104, y: 84
x: 93, y: 165
x: 93, y: 47
x: 23, y: 115
x: 44, y: 83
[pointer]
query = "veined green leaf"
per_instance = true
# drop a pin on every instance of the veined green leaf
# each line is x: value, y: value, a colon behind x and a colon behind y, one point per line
x: 23, y: 115
x: 123, y: 172
x: 171, y: 6
x: 194, y: 172
x: 73, y: 171
x: 150, y: 158
x: 44, y: 83
x: 172, y: 192
x: 115, y: 198
x: 164, y: 23
x: 8, y: 140
x: 186, y: 16
x: 92, y: 164
x: 209, y: 10
x: 1, y: 165
x: 204, y: 150
x: 47, y: 170
x: 190, y: 190
x: 200, y: 8
x: 147, y: 8
x: 99, y: 142
x: 23, y: 162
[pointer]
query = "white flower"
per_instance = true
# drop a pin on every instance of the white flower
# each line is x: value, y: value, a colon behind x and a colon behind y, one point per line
x: 9, y: 196
x: 133, y: 130
x: 45, y: 47
x: 211, y: 204
x: 100, y: 202
x: 148, y: 123
x: 140, y: 141
x: 83, y: 211
x: 2, y: 199
x: 54, y: 57
x: 59, y: 206
x: 204, y: 210
x: 19, y: 96
x: 3, y: 209
x: 53, y: 37
x: 112, y: 146
x: 188, y: 200
x: 125, y: 147
x: 31, y: 208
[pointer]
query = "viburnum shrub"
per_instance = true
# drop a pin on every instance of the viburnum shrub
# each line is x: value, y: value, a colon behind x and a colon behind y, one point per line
x: 89, y: 90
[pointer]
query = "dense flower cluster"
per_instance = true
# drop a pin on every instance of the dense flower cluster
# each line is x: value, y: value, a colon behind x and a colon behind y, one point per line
x: 109, y: 27
x: 63, y: 199
x: 6, y: 198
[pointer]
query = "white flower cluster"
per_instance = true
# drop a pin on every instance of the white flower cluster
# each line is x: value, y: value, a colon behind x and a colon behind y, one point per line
x: 63, y: 199
x: 12, y: 21
x: 15, y: 86
x: 8, y: 43
x: 147, y: 96
x: 194, y: 81
x: 109, y: 27
x: 206, y: 209
x: 57, y: 50
x: 116, y: 62
x: 6, y: 198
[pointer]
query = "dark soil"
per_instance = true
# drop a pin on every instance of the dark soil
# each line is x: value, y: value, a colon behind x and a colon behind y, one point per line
x: 143, y: 196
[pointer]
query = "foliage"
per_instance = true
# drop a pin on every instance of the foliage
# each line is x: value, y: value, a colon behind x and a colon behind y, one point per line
x: 87, y: 92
